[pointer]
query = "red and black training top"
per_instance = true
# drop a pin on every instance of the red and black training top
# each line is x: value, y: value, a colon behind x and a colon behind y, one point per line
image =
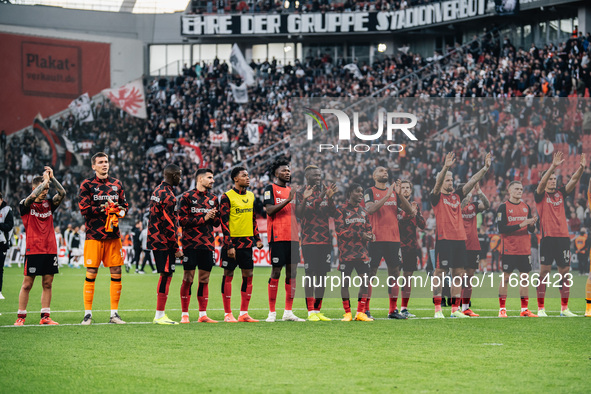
x: 350, y: 224
x: 282, y: 225
x: 95, y: 192
x: 162, y: 226
x: 198, y: 233
x: 408, y: 229
x: 317, y: 211
x: 38, y: 221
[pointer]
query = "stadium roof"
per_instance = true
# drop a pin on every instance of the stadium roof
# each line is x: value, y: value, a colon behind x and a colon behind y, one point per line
x: 133, y: 6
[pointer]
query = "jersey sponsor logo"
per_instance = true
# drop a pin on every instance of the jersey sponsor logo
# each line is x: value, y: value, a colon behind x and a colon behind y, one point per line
x: 280, y: 200
x: 555, y: 203
x: 392, y: 202
x: 453, y: 205
x: 516, y: 218
x: 468, y: 215
x: 246, y: 210
x: 40, y: 215
x: 199, y: 210
x: 354, y: 220
x: 105, y: 197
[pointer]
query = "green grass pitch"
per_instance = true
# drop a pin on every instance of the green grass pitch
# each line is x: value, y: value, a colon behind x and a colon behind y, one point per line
x: 419, y: 355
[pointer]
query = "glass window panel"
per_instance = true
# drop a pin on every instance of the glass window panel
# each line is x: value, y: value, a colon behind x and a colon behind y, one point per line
x: 157, y: 58
x: 259, y: 53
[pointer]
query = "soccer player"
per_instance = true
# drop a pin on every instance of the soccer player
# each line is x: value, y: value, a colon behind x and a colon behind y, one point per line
x: 555, y: 243
x: 279, y: 200
x: 588, y: 285
x: 6, y: 225
x: 315, y: 206
x: 241, y: 233
x: 41, y: 254
x: 450, y: 247
x: 199, y: 214
x: 102, y: 202
x: 469, y: 212
x: 382, y: 205
x: 409, y: 245
x: 514, y: 220
x: 162, y: 240
x: 353, y: 233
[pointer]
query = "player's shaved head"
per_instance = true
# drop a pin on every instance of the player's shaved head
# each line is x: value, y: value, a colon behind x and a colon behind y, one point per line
x: 171, y: 169
x: 172, y: 174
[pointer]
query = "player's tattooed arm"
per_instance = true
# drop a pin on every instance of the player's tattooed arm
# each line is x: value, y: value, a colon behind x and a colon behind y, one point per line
x: 484, y: 204
x: 572, y: 183
x: 450, y: 159
x: 61, y: 192
x: 38, y: 190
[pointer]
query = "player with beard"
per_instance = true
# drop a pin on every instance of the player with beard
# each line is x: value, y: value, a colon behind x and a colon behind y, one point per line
x: 409, y: 245
x: 555, y: 243
x: 450, y: 247
x: 469, y: 212
x: 315, y: 207
x: 514, y: 219
x: 198, y: 215
x: 279, y: 200
x: 382, y: 206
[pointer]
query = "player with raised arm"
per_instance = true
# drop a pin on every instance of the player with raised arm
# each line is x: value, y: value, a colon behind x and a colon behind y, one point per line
x: 41, y: 249
x: 555, y: 242
x: 515, y: 222
x: 469, y: 212
x: 162, y: 237
x: 382, y: 204
x: 409, y: 245
x: 102, y: 203
x: 353, y: 233
x: 198, y: 215
x: 315, y: 207
x: 241, y: 233
x: 450, y: 247
x: 588, y: 285
x: 279, y: 200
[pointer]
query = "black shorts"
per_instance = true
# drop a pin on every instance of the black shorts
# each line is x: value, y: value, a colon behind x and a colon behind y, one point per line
x: 281, y: 252
x: 204, y: 259
x: 472, y: 259
x: 360, y: 266
x: 555, y: 248
x: 41, y: 264
x: 511, y: 262
x: 165, y: 261
x: 409, y: 259
x: 390, y: 251
x: 317, y: 259
x: 450, y: 254
x: 243, y: 259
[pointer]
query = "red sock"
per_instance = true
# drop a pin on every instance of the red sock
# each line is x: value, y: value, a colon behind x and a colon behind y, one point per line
x: 369, y: 291
x: 310, y: 303
x: 227, y: 293
x: 541, y: 295
x: 272, y: 289
x: 347, y: 306
x: 289, y: 293
x: 394, y: 297
x: 203, y: 296
x: 466, y: 294
x: 524, y: 302
x: 437, y: 302
x: 163, y: 286
x: 405, y: 296
x: 185, y: 295
x: 361, y: 304
x: 245, y: 293
x: 564, y: 294
x: 502, y: 301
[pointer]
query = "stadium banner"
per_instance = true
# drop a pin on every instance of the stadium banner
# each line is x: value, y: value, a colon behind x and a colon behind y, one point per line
x: 334, y: 22
x: 81, y: 109
x: 240, y: 65
x: 240, y: 93
x: 45, y: 75
x: 365, y: 170
x: 54, y: 148
x: 130, y: 97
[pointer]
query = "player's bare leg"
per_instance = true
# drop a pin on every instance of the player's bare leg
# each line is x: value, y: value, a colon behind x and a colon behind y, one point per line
x: 46, y: 301
x: 23, y: 299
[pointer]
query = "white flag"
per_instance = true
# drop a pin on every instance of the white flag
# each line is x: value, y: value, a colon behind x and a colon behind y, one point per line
x: 253, y: 133
x: 130, y: 98
x: 80, y: 107
x: 352, y: 67
x: 240, y: 66
x: 240, y: 93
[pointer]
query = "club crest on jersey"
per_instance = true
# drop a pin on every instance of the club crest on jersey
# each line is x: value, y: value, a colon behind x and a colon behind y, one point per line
x: 45, y: 204
x: 470, y: 208
x: 453, y: 197
x: 211, y: 202
x: 557, y: 195
x: 115, y: 188
x: 524, y: 209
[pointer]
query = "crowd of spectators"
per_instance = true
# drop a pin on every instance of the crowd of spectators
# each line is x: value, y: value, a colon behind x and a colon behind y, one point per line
x: 198, y: 108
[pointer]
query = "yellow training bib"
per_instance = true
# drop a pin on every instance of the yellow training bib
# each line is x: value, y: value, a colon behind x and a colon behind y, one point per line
x: 241, y: 213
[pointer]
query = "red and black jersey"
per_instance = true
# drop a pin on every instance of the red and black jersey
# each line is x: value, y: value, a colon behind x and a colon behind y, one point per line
x: 162, y: 227
x: 281, y: 226
x: 95, y: 192
x: 408, y: 229
x: 38, y: 221
x: 552, y: 214
x: 385, y: 220
x: 350, y: 224
x: 448, y: 215
x: 236, y: 242
x: 317, y: 211
x: 514, y: 240
x: 469, y: 213
x: 198, y: 233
